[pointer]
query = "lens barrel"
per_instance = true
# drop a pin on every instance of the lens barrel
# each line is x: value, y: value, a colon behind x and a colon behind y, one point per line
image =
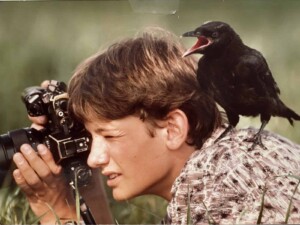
x: 6, y: 151
x: 11, y: 142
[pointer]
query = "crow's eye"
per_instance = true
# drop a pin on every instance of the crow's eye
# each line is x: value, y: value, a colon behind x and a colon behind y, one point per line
x: 215, y: 34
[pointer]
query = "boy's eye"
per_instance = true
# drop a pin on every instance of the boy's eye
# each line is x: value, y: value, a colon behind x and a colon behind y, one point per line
x: 111, y: 136
x: 108, y: 136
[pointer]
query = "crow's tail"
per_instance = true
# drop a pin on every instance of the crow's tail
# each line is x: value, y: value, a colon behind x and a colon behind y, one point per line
x: 288, y: 113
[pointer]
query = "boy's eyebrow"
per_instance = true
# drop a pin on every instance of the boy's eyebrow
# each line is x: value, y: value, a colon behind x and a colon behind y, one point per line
x: 99, y: 130
x: 99, y: 127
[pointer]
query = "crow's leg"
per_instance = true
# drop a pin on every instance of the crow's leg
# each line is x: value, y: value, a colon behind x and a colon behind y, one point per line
x: 257, y: 137
x: 233, y: 120
x: 228, y: 129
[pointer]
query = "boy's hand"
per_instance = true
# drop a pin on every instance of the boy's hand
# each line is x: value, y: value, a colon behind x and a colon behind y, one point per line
x: 43, y: 183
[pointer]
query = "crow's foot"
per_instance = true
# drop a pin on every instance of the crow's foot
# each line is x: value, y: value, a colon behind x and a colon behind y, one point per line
x: 256, y: 140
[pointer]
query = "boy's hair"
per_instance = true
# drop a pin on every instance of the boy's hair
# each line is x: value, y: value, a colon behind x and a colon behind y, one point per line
x: 144, y: 76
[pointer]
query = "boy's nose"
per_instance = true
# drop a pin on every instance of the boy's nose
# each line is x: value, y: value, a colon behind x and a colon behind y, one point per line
x: 98, y: 156
x: 98, y: 161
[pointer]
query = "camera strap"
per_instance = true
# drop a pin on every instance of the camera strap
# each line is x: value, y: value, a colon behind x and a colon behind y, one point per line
x: 94, y: 204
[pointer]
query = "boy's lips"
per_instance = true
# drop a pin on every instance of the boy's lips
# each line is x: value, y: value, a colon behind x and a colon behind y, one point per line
x: 112, y: 178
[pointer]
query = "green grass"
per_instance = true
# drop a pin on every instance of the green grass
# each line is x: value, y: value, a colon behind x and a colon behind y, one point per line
x: 262, y: 204
x: 15, y: 208
x: 143, y: 210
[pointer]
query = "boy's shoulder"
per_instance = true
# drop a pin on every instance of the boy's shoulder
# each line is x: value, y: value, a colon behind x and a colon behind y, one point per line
x: 229, y: 178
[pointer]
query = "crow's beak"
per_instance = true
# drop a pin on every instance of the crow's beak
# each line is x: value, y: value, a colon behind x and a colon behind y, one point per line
x: 191, y: 34
x: 200, y: 45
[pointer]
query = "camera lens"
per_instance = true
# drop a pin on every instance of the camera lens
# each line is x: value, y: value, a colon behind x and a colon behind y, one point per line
x: 12, y: 141
x: 6, y: 151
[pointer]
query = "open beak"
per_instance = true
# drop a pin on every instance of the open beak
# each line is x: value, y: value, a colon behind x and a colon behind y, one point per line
x: 190, y: 34
x: 201, y: 43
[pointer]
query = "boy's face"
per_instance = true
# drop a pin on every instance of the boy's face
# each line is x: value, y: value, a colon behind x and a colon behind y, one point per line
x: 133, y: 162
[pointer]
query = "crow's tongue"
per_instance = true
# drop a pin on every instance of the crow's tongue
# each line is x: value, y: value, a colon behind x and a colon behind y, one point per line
x: 202, y: 41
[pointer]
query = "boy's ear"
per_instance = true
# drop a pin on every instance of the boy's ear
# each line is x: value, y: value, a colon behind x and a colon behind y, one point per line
x: 177, y: 129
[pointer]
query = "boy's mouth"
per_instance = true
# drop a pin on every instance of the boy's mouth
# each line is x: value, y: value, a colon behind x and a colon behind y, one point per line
x: 113, y: 179
x: 113, y: 176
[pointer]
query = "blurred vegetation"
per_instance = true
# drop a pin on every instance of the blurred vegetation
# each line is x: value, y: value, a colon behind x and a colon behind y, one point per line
x: 14, y: 207
x: 46, y: 40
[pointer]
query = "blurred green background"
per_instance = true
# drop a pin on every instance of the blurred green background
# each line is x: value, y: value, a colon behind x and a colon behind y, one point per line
x: 46, y: 40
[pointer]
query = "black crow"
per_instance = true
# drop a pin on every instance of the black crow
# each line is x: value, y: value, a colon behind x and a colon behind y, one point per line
x: 237, y: 76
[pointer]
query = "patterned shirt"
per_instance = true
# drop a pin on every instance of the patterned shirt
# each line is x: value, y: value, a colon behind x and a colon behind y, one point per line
x: 227, y: 183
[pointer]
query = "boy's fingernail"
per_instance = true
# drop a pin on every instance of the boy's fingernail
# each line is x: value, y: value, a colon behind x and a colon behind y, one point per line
x: 17, y: 174
x: 26, y: 149
x: 18, y: 159
x: 42, y: 149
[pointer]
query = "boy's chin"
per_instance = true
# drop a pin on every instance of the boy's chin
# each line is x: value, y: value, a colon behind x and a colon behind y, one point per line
x: 121, y: 195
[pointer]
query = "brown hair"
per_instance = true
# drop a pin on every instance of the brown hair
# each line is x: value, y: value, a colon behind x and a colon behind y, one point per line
x: 146, y: 76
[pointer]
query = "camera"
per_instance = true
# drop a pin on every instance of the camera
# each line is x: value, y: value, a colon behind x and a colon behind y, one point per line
x: 67, y: 139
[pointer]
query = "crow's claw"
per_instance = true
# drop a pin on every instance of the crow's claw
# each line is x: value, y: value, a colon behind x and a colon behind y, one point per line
x: 256, y: 140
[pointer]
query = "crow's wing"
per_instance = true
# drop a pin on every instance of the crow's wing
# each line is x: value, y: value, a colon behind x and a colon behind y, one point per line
x: 204, y: 77
x: 252, y: 72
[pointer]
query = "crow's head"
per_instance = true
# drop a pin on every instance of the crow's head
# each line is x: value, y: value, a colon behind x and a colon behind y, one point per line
x: 213, y: 37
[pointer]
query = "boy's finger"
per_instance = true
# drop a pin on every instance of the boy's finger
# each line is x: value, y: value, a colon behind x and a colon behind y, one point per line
x: 45, y: 83
x: 21, y: 182
x: 47, y: 156
x: 40, y: 120
x: 27, y: 171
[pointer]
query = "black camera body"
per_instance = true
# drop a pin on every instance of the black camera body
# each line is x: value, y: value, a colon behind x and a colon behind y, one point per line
x: 67, y: 139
